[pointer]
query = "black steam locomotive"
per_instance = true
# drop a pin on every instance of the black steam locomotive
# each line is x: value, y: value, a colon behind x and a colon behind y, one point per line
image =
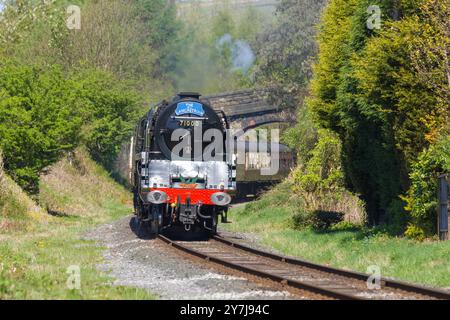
x: 184, y: 169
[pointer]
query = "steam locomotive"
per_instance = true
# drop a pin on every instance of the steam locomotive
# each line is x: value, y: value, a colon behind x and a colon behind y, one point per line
x: 178, y: 178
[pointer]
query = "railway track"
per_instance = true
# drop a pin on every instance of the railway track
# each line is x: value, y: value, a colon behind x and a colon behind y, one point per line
x: 327, y: 282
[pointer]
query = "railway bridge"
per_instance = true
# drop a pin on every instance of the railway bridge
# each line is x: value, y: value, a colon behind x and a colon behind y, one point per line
x: 248, y: 109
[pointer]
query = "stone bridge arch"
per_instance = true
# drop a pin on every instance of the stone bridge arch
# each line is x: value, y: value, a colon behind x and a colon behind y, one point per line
x: 249, y: 109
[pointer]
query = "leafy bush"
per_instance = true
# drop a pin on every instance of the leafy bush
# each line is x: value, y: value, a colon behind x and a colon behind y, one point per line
x: 421, y: 197
x: 322, y: 171
x: 109, y: 109
x: 38, y: 119
x: 414, y: 232
x: 384, y: 92
x: 44, y: 114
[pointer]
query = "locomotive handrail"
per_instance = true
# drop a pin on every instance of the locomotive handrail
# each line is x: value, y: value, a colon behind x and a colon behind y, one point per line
x: 190, y: 118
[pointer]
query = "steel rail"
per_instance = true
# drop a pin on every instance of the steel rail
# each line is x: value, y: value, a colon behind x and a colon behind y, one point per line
x: 391, y: 283
x: 289, y: 282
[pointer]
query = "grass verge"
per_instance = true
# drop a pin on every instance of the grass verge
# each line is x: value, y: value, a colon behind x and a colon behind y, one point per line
x: 349, y: 247
x: 37, y: 250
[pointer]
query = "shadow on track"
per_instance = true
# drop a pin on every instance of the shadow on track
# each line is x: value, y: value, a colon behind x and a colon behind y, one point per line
x: 143, y: 231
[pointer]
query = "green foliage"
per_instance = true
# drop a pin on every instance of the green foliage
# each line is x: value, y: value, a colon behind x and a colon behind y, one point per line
x: 286, y: 51
x: 368, y: 155
x: 38, y: 119
x: 44, y: 114
x: 109, y: 109
x: 322, y: 171
x: 396, y: 218
x: 314, y: 193
x: 431, y: 47
x: 160, y: 29
x: 392, y: 94
x: 302, y: 220
x: 302, y: 137
x: 421, y: 197
x: 32, y: 31
x: 414, y: 232
x: 372, y: 88
x: 223, y: 24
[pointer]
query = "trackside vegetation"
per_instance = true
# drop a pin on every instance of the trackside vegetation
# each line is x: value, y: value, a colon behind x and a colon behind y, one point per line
x: 65, y: 98
x: 63, y: 88
x: 372, y: 132
x: 373, y: 88
x: 45, y: 113
x: 37, y: 250
x: 282, y: 227
x: 376, y: 122
x: 69, y: 99
x: 371, y: 138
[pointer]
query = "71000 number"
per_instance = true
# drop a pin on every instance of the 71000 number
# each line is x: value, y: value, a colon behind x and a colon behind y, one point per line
x: 189, y: 123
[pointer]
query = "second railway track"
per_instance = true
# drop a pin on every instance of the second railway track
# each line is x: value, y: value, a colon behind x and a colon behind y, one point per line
x: 327, y: 282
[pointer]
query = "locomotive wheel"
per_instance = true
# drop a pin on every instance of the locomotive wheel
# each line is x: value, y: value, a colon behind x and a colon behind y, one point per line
x: 142, y: 228
x: 154, y: 227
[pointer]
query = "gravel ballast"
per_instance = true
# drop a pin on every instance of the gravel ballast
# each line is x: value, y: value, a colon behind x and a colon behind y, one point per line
x: 147, y: 263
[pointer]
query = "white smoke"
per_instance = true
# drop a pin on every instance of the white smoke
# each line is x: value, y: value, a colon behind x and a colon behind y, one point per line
x: 242, y: 55
x: 225, y: 39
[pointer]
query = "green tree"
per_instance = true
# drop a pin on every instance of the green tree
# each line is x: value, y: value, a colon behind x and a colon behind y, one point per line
x: 109, y: 109
x: 421, y: 197
x: 286, y: 51
x: 38, y: 119
x: 369, y: 88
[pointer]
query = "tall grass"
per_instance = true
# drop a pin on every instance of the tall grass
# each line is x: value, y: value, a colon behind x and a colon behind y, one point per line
x: 274, y: 220
x: 35, y: 253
